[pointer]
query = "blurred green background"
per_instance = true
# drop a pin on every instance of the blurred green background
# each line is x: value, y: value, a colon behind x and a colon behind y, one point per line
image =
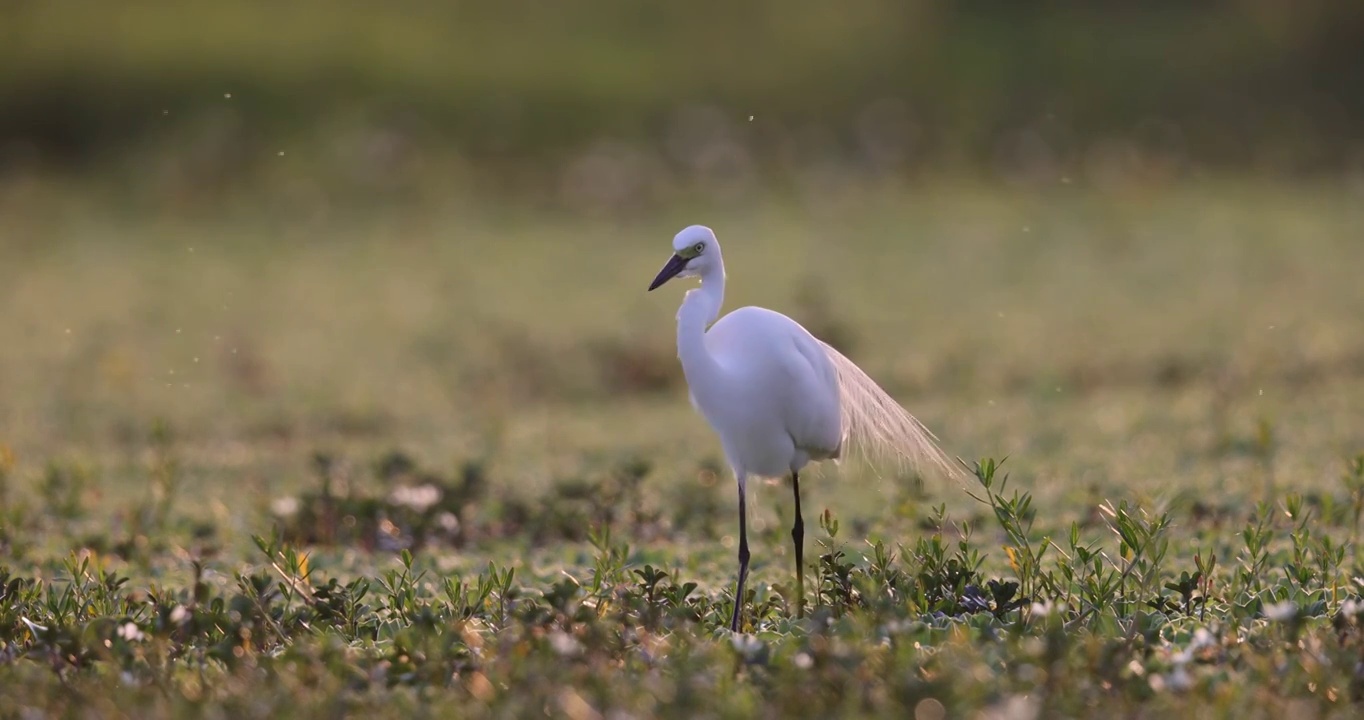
x: 1112, y: 240
x: 610, y: 102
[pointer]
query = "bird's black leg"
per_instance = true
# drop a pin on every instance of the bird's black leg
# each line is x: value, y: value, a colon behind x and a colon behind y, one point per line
x: 798, y: 537
x: 743, y: 558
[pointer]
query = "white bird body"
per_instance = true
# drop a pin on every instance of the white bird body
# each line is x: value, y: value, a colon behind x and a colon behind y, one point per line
x: 774, y: 399
x: 777, y: 396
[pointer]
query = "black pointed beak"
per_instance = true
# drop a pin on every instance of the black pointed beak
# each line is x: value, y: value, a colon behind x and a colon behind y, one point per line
x: 674, y: 266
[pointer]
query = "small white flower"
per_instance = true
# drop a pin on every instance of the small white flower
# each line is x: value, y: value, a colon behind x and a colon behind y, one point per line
x: 130, y: 632
x: 1046, y: 608
x: 564, y: 644
x: 804, y: 661
x: 179, y: 615
x: 285, y: 506
x: 418, y: 498
x: 1281, y: 612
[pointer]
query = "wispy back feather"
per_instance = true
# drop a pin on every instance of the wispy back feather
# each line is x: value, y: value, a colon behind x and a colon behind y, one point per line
x: 877, y: 427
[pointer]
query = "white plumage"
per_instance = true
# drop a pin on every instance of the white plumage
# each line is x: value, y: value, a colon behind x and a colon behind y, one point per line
x: 777, y: 396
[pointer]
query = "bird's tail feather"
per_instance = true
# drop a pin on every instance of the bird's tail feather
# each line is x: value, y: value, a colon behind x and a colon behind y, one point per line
x: 876, y: 426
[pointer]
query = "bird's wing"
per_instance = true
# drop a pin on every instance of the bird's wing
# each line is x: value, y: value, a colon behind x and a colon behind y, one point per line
x: 814, y: 419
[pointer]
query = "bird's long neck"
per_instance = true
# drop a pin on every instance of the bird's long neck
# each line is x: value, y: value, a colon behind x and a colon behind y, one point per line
x: 700, y: 308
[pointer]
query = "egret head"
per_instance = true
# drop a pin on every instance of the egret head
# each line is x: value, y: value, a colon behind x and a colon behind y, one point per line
x: 695, y: 251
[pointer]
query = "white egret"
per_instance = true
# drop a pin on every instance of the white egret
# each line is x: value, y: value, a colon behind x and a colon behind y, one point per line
x: 777, y: 396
